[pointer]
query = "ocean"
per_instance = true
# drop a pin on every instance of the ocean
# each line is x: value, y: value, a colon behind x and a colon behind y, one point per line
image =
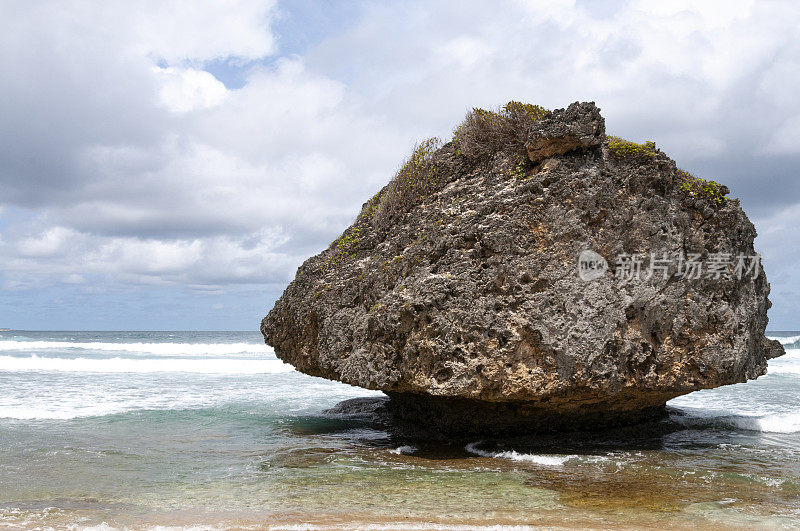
x: 211, y: 430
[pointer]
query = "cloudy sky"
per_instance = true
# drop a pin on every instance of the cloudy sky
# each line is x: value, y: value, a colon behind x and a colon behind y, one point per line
x: 168, y: 165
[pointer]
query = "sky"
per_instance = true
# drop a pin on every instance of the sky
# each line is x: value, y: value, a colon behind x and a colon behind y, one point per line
x: 168, y: 165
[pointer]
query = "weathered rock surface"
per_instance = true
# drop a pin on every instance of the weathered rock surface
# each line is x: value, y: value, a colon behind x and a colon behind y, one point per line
x: 469, y: 312
x: 562, y: 131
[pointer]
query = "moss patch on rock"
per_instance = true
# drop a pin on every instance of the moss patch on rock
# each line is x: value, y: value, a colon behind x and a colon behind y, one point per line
x: 697, y: 187
x: 345, y: 245
x: 624, y: 149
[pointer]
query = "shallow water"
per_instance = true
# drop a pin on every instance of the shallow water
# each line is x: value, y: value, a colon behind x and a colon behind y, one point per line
x: 142, y: 429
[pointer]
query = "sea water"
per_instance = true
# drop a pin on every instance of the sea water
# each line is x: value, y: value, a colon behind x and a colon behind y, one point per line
x: 144, y: 429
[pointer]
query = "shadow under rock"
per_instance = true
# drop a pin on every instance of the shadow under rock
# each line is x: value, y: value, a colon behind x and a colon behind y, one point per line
x: 372, y: 414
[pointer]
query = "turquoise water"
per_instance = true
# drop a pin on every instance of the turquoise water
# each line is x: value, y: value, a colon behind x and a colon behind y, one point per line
x: 139, y: 429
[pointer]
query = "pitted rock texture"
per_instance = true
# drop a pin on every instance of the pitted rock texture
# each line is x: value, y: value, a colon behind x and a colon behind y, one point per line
x: 562, y: 131
x: 469, y: 311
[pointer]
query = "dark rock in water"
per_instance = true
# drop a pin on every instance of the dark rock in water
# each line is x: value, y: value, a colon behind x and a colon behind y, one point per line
x: 492, y: 285
x: 368, y: 407
x: 377, y: 413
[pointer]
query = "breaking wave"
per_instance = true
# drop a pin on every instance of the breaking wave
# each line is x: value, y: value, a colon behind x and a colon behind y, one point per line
x: 778, y: 423
x: 546, y: 460
x: 788, y: 341
x: 143, y: 365
x: 161, y: 349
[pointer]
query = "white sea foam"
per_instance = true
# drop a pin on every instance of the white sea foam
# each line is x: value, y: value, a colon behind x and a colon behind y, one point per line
x: 768, y: 423
x: 786, y: 340
x: 539, y: 459
x: 404, y: 450
x: 789, y: 363
x: 780, y: 423
x: 61, y: 413
x: 162, y: 349
x: 143, y: 365
x: 100, y: 395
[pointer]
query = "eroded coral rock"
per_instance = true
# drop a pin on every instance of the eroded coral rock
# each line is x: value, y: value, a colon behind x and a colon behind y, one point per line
x: 578, y: 127
x: 469, y: 311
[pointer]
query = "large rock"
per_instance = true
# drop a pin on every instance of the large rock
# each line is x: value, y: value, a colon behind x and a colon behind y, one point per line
x: 457, y: 290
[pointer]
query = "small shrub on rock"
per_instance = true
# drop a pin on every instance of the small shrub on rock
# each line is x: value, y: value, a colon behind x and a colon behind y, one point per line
x: 622, y: 148
x: 419, y: 176
x: 485, y: 133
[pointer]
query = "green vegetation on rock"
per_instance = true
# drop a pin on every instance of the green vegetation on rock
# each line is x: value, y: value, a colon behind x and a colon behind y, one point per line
x: 369, y: 208
x: 626, y: 149
x: 481, y: 135
x: 697, y: 187
x: 419, y: 176
x: 345, y: 245
x: 483, y: 132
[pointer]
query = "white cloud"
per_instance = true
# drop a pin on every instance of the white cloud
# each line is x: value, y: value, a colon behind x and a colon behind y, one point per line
x: 49, y: 243
x: 211, y: 262
x: 142, y: 168
x: 173, y: 31
x: 465, y: 51
x: 148, y: 256
x: 785, y: 139
x: 781, y: 256
x: 187, y: 89
x: 200, y: 30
